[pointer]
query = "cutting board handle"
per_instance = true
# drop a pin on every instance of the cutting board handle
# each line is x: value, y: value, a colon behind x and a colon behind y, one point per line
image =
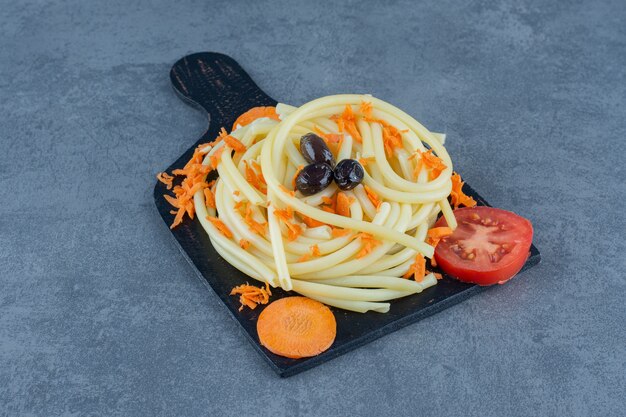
x: 216, y: 84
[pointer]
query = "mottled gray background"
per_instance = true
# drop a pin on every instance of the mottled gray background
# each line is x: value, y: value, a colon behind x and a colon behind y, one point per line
x: 101, y: 316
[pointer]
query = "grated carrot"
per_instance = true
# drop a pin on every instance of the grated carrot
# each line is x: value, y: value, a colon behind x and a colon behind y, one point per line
x: 368, y: 242
x: 244, y: 243
x: 209, y: 198
x: 338, y: 232
x: 392, y: 136
x: 285, y: 214
x: 347, y: 122
x: 232, y: 141
x: 314, y: 251
x: 254, y: 179
x: 251, y: 296
x: 259, y: 171
x: 365, y: 161
x: 311, y: 222
x: 166, y: 179
x: 343, y: 203
x: 417, y: 269
x: 286, y: 190
x: 256, y: 113
x: 216, y: 157
x: 436, y: 234
x: 366, y: 108
x: 391, y: 139
x: 194, y: 174
x: 253, y: 225
x: 457, y: 196
x: 333, y: 140
x: 372, y: 196
x: 430, y: 161
x: 219, y: 225
x: 293, y: 230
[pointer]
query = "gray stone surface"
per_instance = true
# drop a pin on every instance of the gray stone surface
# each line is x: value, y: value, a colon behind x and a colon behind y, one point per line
x: 101, y: 316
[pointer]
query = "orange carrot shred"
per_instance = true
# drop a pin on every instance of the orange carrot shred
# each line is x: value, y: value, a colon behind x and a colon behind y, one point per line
x: 285, y: 214
x: 457, y: 196
x: 194, y: 174
x: 347, y: 122
x: 343, y: 204
x: 234, y: 143
x: 365, y: 161
x: 293, y: 230
x: 333, y: 140
x: 253, y: 225
x: 251, y: 296
x: 430, y: 161
x: 254, y: 178
x: 286, y: 190
x: 244, y: 243
x: 255, y: 113
x: 337, y: 232
x: 311, y: 222
x: 366, y: 108
x: 417, y: 269
x: 372, y: 196
x: 209, y: 198
x: 216, y: 157
x: 436, y: 234
x: 166, y: 179
x: 368, y: 242
x: 314, y: 251
x: 219, y: 225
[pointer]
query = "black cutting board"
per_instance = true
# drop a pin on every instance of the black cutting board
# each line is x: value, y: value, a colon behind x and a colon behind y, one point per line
x: 215, y: 84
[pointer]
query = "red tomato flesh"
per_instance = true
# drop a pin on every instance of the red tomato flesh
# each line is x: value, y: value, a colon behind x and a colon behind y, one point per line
x: 489, y: 245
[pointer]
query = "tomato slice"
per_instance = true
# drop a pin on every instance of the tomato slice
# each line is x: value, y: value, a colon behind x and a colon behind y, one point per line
x: 489, y: 245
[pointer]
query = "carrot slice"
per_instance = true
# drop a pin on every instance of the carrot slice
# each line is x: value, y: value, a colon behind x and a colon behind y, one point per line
x: 296, y: 327
x: 255, y: 113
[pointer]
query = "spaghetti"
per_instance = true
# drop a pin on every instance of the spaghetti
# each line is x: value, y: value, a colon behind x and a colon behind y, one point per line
x: 348, y: 249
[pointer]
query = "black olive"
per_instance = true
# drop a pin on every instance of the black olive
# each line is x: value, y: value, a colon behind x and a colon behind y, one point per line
x: 314, y: 178
x: 348, y: 174
x: 314, y: 149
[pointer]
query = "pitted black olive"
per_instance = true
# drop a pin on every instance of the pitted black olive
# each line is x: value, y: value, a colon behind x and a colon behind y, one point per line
x: 314, y: 178
x: 348, y: 174
x: 314, y: 149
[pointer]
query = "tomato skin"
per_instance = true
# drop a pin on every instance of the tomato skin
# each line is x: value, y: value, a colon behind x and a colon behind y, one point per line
x: 519, y: 233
